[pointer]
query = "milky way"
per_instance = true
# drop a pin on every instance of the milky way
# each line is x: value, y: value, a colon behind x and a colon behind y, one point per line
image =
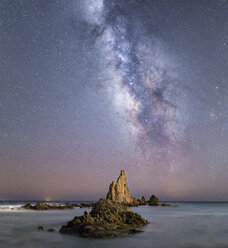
x: 145, y: 88
x: 90, y: 87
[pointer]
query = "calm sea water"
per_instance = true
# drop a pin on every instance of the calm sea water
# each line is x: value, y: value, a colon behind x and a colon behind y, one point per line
x: 189, y: 225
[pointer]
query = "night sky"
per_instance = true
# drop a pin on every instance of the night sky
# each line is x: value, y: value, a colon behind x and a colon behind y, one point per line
x: 90, y: 87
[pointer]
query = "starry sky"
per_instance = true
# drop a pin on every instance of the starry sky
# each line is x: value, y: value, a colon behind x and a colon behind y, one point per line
x: 90, y: 87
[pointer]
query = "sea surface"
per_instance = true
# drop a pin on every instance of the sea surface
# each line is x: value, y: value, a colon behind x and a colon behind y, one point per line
x: 191, y: 224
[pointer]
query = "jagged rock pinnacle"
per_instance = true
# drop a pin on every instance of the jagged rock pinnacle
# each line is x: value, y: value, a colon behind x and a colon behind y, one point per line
x: 119, y: 190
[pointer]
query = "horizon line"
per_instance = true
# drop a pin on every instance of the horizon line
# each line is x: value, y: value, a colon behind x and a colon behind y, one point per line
x: 32, y: 200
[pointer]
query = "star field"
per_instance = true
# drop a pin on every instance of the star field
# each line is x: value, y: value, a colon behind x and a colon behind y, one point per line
x: 91, y: 87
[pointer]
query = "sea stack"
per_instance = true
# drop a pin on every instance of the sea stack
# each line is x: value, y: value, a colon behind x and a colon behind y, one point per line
x: 110, y: 217
x: 119, y: 190
x: 154, y: 201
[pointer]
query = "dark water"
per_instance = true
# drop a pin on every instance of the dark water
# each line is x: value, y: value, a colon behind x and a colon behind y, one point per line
x: 189, y: 225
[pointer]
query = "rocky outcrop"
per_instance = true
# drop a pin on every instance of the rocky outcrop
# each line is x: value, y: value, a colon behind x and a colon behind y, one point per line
x: 119, y: 190
x: 107, y: 219
x: 48, y: 230
x: 142, y: 201
x: 154, y: 201
x: 167, y: 205
x: 133, y: 203
x: 45, y: 206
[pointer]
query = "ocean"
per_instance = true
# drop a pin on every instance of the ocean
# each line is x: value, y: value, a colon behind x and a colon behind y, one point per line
x: 191, y: 224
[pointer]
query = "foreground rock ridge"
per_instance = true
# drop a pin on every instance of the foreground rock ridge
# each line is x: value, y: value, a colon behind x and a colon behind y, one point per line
x: 107, y: 219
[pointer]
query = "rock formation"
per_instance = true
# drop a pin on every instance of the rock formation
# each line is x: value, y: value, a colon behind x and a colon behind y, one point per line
x: 119, y: 191
x: 142, y: 201
x: 111, y: 217
x: 154, y: 201
x: 45, y: 206
x: 108, y: 219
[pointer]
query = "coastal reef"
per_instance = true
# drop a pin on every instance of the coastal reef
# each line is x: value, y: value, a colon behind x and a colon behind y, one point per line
x: 45, y: 206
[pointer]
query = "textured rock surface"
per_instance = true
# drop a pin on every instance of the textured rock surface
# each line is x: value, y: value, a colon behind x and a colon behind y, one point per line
x: 86, y: 205
x: 119, y: 191
x: 107, y: 219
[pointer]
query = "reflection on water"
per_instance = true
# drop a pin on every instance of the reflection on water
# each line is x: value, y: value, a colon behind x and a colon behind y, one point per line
x: 189, y: 225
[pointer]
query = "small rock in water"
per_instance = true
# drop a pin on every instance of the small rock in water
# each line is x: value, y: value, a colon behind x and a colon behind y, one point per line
x: 40, y: 227
x: 50, y: 230
x: 154, y: 201
x: 165, y: 205
x: 142, y: 201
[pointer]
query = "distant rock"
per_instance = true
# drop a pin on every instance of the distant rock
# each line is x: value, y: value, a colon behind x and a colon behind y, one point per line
x: 75, y: 205
x: 45, y: 206
x: 27, y: 206
x: 133, y: 203
x: 42, y: 206
x: 50, y: 230
x: 107, y: 219
x: 154, y: 201
x: 40, y: 227
x: 167, y: 205
x: 119, y: 191
x: 142, y: 201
